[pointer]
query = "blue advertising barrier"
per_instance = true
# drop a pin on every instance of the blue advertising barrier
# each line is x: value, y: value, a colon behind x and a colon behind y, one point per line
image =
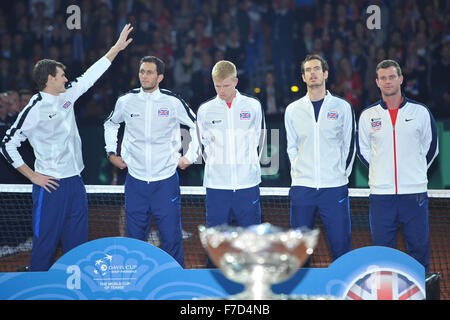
x: 124, y: 268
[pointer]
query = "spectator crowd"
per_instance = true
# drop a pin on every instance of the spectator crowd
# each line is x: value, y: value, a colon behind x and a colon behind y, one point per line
x: 266, y: 39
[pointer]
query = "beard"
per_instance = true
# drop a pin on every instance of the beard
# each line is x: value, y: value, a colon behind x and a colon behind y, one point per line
x: 315, y: 85
x: 148, y: 88
x: 392, y: 93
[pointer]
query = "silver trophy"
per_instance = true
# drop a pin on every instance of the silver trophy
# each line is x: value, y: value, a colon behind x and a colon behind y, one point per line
x: 259, y: 256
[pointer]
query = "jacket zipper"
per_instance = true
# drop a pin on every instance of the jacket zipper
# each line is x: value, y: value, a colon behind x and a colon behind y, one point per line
x: 395, y: 161
x: 317, y: 146
x: 395, y: 146
x: 232, y: 147
x: 148, y: 150
x: 316, y: 156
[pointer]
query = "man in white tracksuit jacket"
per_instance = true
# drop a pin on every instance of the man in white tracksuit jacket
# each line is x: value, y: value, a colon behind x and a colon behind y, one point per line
x: 60, y: 205
x: 320, y: 130
x: 397, y: 140
x: 150, y: 151
x: 231, y: 130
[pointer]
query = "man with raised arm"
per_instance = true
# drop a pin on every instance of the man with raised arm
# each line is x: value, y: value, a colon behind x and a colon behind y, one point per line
x: 60, y: 210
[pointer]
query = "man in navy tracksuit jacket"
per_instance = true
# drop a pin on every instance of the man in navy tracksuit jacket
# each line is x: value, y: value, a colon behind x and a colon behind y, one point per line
x: 397, y: 140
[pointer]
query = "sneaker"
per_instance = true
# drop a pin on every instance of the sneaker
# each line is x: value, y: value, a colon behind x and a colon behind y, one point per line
x: 23, y: 269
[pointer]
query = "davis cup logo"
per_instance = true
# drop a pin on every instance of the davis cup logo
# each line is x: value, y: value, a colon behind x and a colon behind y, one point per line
x: 113, y: 273
x: 102, y: 265
x: 384, y: 285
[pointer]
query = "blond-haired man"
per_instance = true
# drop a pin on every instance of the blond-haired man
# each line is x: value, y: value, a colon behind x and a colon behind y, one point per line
x: 231, y: 129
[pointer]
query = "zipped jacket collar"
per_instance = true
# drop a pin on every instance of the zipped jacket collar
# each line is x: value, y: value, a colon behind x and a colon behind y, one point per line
x: 384, y: 105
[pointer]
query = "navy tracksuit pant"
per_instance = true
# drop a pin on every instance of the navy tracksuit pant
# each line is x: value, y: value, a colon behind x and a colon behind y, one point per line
x: 241, y: 207
x: 61, y: 215
x: 160, y: 200
x: 409, y: 210
x: 333, y: 206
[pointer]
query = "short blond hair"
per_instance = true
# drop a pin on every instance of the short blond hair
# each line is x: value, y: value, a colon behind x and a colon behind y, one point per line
x: 223, y: 69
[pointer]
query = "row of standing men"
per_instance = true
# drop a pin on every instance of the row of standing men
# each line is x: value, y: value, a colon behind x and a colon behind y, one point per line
x: 396, y: 139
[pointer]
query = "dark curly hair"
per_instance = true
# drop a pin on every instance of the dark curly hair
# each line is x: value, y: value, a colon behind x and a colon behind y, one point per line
x: 310, y: 57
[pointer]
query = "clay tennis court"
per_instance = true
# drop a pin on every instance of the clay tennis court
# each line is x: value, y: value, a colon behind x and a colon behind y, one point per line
x: 106, y: 219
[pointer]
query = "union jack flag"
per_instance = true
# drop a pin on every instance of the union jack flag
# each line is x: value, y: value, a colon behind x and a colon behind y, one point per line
x: 67, y: 104
x: 332, y: 115
x: 244, y: 115
x: 163, y: 112
x: 384, y: 285
x: 376, y: 124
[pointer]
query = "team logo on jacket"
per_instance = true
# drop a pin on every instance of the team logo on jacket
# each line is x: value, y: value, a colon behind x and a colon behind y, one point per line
x: 163, y: 112
x: 332, y: 115
x: 245, y: 115
x: 67, y: 105
x: 376, y: 124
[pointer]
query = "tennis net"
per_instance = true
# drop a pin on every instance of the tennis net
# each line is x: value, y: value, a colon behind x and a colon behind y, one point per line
x: 107, y: 219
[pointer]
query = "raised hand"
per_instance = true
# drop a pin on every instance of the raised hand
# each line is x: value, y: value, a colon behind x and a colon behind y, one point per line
x: 121, y: 43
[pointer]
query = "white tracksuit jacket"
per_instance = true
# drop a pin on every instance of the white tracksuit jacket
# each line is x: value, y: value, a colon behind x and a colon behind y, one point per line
x: 152, y: 137
x: 232, y: 140
x: 398, y: 158
x: 48, y: 122
x: 321, y: 152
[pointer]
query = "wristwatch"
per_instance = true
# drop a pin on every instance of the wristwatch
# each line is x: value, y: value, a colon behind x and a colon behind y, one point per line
x: 110, y: 154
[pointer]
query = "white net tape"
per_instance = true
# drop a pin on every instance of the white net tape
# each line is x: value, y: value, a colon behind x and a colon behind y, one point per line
x: 185, y: 190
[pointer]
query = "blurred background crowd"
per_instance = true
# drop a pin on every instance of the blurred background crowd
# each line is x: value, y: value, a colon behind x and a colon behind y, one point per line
x: 266, y: 39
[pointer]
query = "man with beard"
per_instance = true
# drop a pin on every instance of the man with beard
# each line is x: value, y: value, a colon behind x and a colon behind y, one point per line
x: 397, y: 140
x: 320, y: 130
x: 150, y: 151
